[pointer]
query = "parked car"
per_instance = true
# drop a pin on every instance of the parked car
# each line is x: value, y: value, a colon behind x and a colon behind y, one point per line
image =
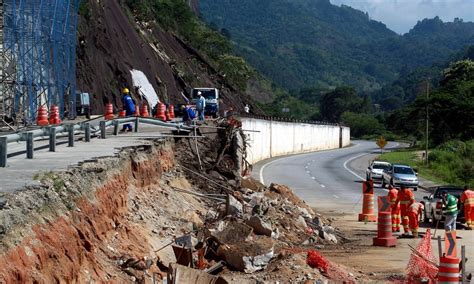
x: 375, y: 170
x: 434, y: 205
x: 397, y: 175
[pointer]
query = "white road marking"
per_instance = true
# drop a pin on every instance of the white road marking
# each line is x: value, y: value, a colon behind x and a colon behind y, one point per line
x: 323, y: 186
x: 313, y: 178
x: 335, y: 196
x: 303, y: 154
x: 353, y: 158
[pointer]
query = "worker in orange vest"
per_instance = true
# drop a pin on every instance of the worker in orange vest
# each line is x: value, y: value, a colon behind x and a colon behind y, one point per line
x: 414, y: 213
x: 467, y: 199
x: 405, y: 198
x: 395, y: 208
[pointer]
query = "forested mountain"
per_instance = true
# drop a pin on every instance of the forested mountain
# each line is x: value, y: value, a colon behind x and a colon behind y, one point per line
x: 312, y: 43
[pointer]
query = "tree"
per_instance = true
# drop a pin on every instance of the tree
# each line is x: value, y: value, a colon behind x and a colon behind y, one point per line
x: 335, y: 103
x: 361, y: 124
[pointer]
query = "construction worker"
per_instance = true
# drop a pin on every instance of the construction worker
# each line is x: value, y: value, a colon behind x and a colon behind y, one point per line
x: 450, y: 211
x: 395, y: 208
x: 201, y: 106
x: 129, y: 107
x: 405, y: 198
x: 467, y: 199
x: 414, y: 213
x: 247, y: 109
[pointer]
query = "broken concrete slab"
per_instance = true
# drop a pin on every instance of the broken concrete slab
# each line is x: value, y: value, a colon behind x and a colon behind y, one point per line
x: 233, y: 232
x: 248, y: 257
x: 182, y: 274
x: 259, y: 226
x: 234, y: 207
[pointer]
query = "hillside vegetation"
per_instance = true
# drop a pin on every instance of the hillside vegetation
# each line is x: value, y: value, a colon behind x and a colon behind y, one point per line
x: 308, y: 43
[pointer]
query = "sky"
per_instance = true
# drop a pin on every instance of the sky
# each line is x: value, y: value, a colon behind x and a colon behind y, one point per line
x: 401, y: 15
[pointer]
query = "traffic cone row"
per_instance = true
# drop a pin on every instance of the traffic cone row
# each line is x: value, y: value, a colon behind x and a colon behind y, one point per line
x: 54, y: 115
x: 42, y: 117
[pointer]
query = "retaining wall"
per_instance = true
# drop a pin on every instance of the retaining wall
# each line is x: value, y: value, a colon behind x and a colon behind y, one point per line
x: 277, y: 138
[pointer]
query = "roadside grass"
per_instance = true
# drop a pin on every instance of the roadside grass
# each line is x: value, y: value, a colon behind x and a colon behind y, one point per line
x: 450, y: 163
x: 409, y: 157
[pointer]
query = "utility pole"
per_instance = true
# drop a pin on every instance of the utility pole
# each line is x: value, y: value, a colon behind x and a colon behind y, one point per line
x: 427, y: 120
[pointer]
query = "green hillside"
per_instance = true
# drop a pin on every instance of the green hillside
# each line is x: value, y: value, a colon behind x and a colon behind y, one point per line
x: 307, y: 43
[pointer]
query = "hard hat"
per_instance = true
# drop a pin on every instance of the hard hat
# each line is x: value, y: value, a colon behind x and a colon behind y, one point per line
x: 125, y: 91
x: 199, y: 93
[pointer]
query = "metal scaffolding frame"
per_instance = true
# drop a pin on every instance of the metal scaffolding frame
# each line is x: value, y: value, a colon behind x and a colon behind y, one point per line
x: 37, y: 57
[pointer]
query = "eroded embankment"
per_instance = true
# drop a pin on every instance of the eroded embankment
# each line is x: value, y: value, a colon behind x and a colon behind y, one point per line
x: 76, y: 227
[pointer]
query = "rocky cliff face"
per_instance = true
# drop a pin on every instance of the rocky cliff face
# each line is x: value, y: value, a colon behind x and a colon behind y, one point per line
x: 111, y: 43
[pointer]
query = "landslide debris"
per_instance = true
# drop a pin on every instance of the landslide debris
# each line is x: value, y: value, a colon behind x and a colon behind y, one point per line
x: 144, y: 214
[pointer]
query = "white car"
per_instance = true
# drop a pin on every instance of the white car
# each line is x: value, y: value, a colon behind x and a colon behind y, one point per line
x: 375, y: 170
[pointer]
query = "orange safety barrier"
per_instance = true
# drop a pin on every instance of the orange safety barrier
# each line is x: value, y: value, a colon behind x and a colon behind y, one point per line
x: 122, y: 113
x: 448, y: 270
x: 172, y: 112
x: 368, y: 209
x: 144, y: 110
x: 368, y: 187
x: 42, y: 117
x: 54, y: 115
x: 109, y: 111
x: 384, y: 231
x: 160, y: 112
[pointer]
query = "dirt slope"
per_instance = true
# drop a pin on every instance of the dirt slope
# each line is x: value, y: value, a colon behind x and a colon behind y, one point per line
x: 110, y: 44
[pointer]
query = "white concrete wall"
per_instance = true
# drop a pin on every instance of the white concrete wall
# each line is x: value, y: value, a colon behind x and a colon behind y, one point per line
x: 277, y: 138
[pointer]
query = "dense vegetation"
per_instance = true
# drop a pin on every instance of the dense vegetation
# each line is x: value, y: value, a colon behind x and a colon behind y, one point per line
x: 176, y: 16
x: 312, y: 43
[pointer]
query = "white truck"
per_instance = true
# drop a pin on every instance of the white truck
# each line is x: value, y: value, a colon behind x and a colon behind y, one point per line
x: 212, y: 100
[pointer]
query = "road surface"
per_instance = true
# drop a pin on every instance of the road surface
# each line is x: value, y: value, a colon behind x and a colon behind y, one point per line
x: 330, y: 181
x: 326, y: 178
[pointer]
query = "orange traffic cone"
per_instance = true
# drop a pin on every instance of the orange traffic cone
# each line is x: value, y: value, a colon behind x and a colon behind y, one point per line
x: 144, y: 110
x: 160, y: 112
x: 122, y: 113
x: 167, y: 113
x: 367, y: 214
x: 109, y: 111
x: 42, y: 117
x: 54, y: 115
x: 137, y: 111
x: 172, y: 112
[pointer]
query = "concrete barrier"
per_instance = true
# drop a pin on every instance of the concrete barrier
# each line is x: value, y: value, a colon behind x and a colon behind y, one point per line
x: 277, y: 138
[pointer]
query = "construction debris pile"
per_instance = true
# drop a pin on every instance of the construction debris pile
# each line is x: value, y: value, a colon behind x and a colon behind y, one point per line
x: 250, y: 231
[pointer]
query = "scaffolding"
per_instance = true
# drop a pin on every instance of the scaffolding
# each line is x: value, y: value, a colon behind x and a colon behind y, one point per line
x: 37, y: 58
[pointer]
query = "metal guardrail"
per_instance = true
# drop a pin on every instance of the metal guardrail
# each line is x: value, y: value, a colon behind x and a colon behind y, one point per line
x: 52, y: 132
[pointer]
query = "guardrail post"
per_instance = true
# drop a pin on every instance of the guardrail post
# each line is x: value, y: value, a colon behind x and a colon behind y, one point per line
x: 87, y: 132
x: 29, y: 145
x: 137, y: 120
x: 3, y: 152
x: 52, y: 139
x: 70, y: 135
x: 116, y: 127
x: 102, y: 129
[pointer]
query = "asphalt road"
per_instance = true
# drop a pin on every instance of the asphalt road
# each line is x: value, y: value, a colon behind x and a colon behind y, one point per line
x: 328, y: 179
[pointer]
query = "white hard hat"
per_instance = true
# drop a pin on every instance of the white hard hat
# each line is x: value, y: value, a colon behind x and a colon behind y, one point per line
x: 199, y: 93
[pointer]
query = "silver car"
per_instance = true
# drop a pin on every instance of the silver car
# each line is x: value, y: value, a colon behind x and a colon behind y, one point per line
x: 375, y: 170
x: 398, y: 175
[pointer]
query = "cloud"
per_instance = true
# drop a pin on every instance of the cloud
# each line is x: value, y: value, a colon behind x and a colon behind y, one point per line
x: 402, y: 15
